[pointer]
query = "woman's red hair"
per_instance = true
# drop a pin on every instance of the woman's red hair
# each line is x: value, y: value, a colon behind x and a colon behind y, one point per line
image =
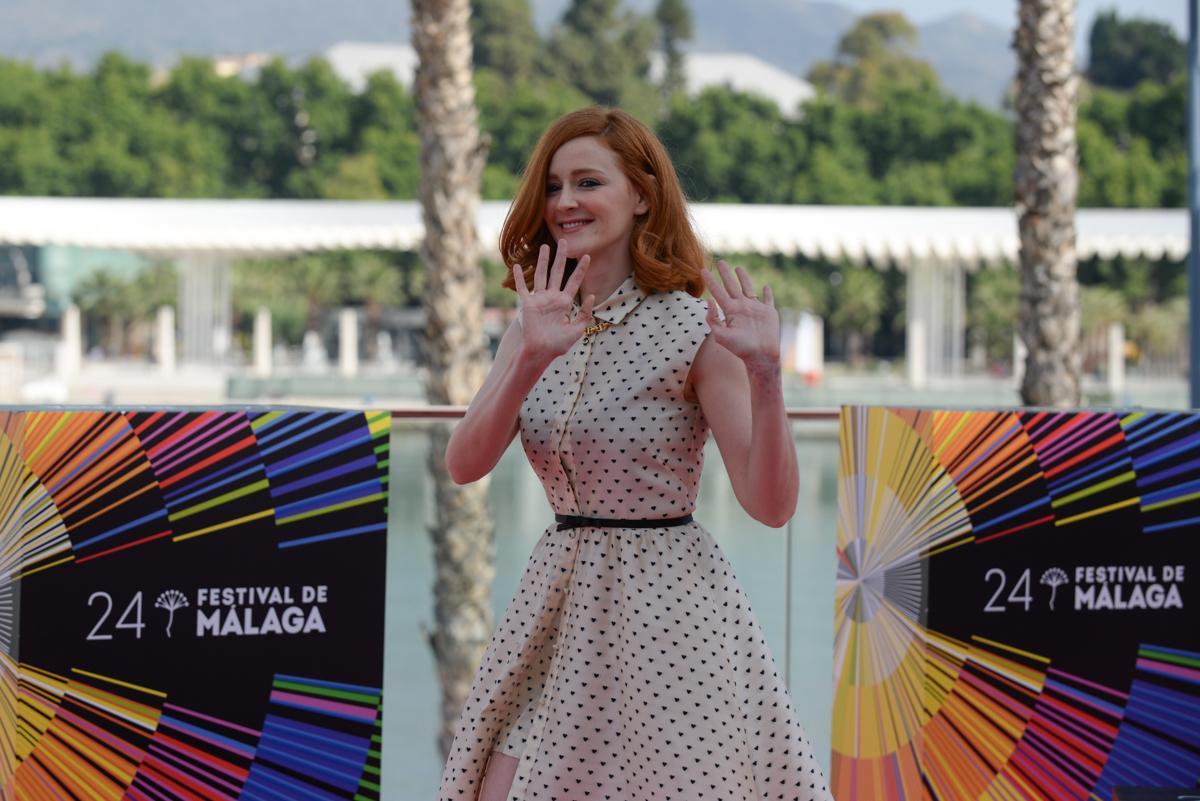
x: 666, y: 252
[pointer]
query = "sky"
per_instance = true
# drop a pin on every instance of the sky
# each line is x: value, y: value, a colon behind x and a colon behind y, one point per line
x: 999, y: 12
x: 1003, y: 12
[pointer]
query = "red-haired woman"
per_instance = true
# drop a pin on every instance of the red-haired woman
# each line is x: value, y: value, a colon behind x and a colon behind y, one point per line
x: 628, y: 665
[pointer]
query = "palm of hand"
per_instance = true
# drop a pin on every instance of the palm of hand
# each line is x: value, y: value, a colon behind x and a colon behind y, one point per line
x: 547, y: 327
x: 546, y: 322
x: 750, y: 329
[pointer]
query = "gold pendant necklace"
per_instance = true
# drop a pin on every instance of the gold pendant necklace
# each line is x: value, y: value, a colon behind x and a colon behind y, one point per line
x: 595, y: 328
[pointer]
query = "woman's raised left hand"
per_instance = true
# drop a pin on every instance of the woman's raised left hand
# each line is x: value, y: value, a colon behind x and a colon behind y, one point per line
x: 750, y: 329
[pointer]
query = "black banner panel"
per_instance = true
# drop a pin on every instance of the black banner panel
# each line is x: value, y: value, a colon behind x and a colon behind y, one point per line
x: 192, y: 604
x: 1017, y: 609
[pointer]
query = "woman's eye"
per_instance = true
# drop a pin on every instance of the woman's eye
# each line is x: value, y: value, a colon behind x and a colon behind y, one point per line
x: 588, y: 183
x: 551, y: 188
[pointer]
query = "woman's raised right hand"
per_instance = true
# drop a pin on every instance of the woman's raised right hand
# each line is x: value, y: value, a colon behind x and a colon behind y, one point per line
x: 547, y: 327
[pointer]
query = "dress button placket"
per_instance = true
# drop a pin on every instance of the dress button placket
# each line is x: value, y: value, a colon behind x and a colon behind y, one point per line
x: 531, y: 755
x: 579, y: 358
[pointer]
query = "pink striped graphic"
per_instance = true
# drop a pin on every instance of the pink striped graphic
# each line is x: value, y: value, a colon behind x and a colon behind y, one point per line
x: 334, y: 707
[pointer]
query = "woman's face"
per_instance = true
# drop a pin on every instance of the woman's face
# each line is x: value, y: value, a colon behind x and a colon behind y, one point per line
x: 589, y: 201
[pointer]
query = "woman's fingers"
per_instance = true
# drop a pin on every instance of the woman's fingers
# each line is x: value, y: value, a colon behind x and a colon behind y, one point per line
x: 714, y: 314
x: 576, y: 279
x: 559, y: 267
x: 744, y: 280
x: 539, y: 272
x: 549, y: 276
x: 768, y: 296
x: 729, y: 280
x: 518, y: 273
x: 585, y: 311
x: 715, y: 287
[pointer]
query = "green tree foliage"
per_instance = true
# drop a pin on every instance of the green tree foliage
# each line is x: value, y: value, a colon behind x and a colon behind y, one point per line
x: 992, y: 309
x: 289, y: 133
x: 217, y: 117
x: 374, y: 281
x: 1149, y: 298
x: 504, y: 38
x: 1102, y: 306
x: 30, y: 128
x: 117, y: 307
x: 927, y: 149
x: 310, y: 125
x: 1131, y: 146
x: 884, y: 133
x: 1140, y: 281
x: 1158, y: 114
x: 384, y: 119
x: 729, y: 146
x: 494, y: 293
x: 604, y: 51
x: 1145, y: 296
x: 116, y: 136
x: 154, y: 287
x: 1124, y: 53
x: 1160, y: 329
x: 302, y: 291
x: 874, y: 59
x: 515, y: 114
x: 856, y: 307
x: 103, y: 298
x: 675, y: 27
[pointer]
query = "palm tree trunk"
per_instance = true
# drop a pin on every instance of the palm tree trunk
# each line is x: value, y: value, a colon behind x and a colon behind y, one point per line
x: 1046, y: 182
x: 452, y: 160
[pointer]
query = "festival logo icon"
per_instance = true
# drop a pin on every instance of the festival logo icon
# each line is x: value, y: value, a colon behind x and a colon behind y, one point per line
x: 171, y: 600
x: 1054, y: 578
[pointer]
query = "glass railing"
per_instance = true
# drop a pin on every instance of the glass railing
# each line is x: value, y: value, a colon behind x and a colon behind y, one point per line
x: 787, y: 573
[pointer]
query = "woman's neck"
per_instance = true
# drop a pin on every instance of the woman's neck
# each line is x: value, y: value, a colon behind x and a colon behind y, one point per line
x: 603, y: 279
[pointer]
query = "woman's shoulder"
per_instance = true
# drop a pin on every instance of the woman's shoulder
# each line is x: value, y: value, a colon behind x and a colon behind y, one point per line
x: 678, y: 300
x: 678, y: 310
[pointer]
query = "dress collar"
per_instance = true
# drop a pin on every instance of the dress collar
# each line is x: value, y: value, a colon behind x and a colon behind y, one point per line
x: 624, y: 299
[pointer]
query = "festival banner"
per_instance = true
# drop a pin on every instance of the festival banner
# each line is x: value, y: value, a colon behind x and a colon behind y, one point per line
x: 1017, y: 603
x: 191, y: 604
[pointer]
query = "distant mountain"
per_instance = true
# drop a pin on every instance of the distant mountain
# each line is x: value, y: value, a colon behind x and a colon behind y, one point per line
x: 159, y: 31
x: 971, y: 55
x: 791, y: 34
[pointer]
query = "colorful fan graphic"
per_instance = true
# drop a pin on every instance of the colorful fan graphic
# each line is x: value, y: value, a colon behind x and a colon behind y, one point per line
x: 191, y: 604
x: 1012, y: 604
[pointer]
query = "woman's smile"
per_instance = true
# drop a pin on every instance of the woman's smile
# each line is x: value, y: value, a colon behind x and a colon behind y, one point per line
x: 572, y: 225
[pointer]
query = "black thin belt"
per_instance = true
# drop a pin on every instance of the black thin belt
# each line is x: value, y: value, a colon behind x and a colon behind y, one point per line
x: 576, y: 521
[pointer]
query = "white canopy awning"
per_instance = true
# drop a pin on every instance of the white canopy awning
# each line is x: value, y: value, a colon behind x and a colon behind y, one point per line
x: 862, y: 234
x: 910, y: 234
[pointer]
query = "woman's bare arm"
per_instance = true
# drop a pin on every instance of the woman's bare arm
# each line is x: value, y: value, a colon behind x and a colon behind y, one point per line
x: 736, y: 378
x: 545, y: 331
x: 490, y: 423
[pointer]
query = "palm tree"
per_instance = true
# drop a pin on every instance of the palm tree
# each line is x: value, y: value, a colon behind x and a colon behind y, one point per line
x: 1046, y: 182
x: 452, y: 159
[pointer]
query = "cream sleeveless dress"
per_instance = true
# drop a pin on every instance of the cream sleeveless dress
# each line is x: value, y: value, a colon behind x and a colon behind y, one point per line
x: 629, y: 665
